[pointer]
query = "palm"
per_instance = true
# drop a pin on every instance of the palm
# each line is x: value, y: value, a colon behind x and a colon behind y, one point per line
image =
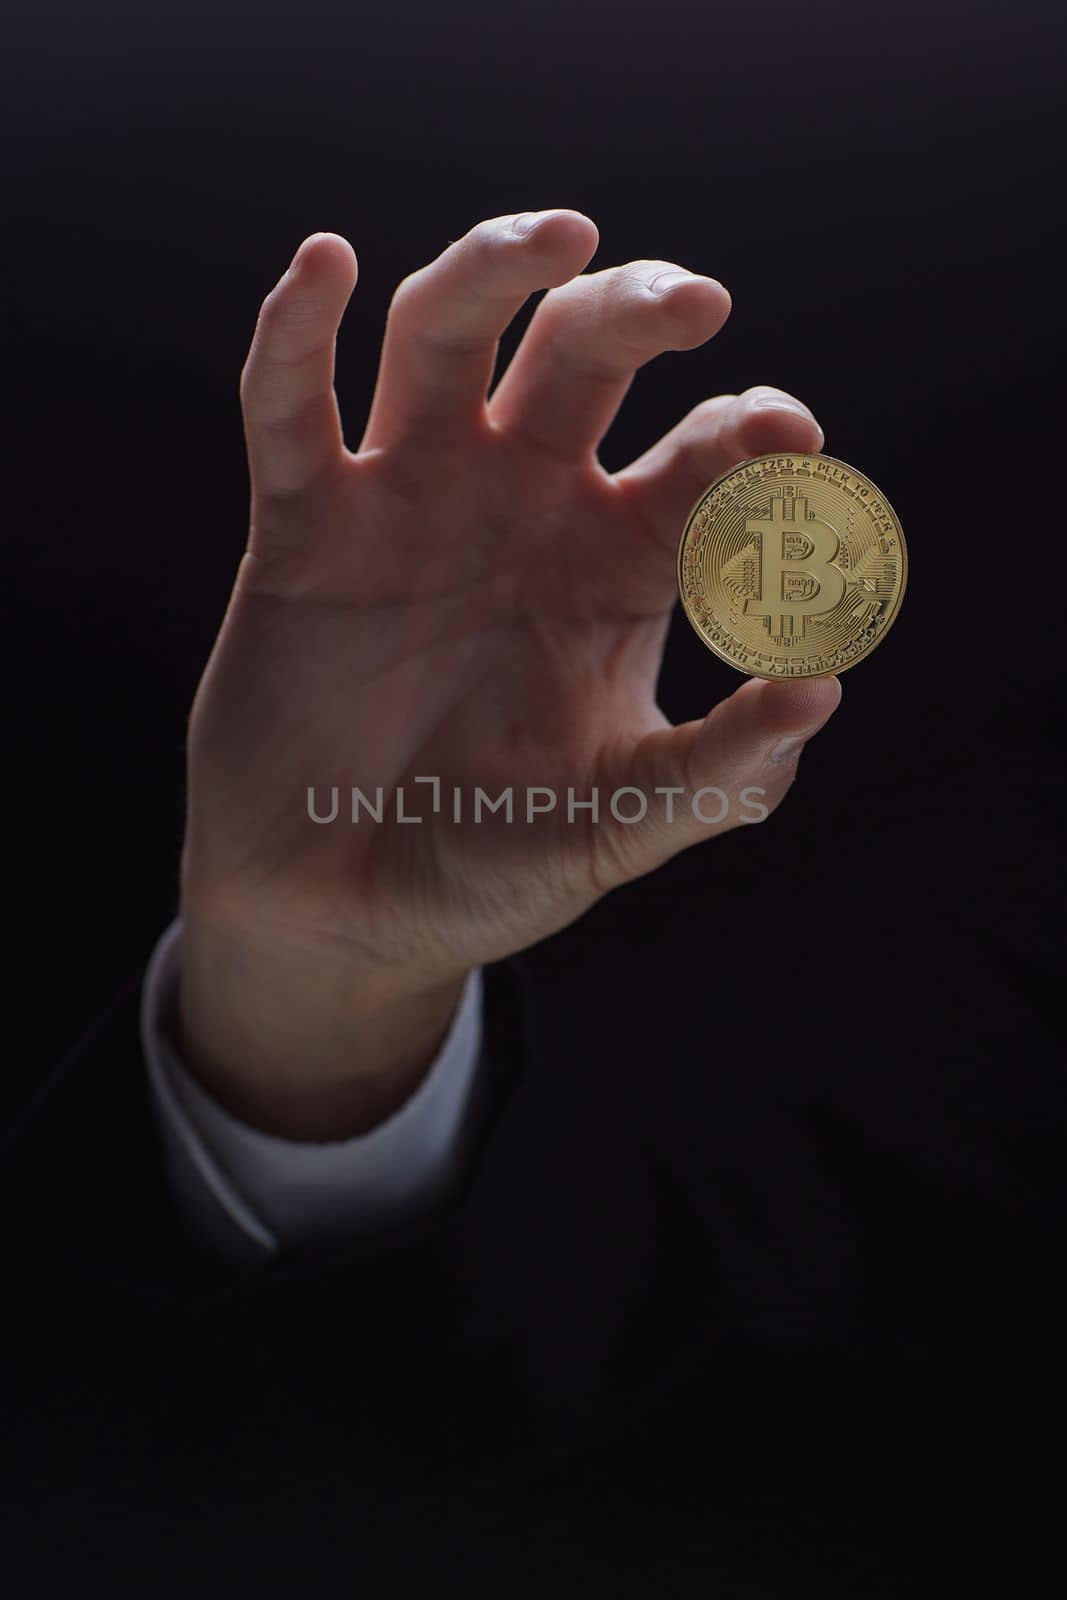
x: 476, y: 602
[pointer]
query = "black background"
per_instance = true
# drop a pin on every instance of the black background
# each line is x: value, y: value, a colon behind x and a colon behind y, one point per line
x: 876, y: 184
x: 798, y: 1092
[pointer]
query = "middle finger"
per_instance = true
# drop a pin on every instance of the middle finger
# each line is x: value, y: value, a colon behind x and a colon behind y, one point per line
x: 446, y: 319
x: 585, y: 341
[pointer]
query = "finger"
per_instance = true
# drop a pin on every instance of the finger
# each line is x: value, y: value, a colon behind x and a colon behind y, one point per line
x: 664, y: 484
x: 586, y: 340
x: 446, y: 319
x: 732, y: 768
x: 292, y: 425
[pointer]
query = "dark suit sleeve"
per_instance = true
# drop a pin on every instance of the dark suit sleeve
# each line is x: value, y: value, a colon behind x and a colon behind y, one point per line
x: 83, y: 1163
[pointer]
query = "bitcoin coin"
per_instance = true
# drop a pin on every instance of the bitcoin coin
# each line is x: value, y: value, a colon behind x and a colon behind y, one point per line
x: 792, y: 566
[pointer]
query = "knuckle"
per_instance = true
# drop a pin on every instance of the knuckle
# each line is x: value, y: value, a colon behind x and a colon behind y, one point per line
x: 289, y: 418
x: 274, y: 305
x: 274, y: 293
x: 248, y: 380
x: 289, y: 329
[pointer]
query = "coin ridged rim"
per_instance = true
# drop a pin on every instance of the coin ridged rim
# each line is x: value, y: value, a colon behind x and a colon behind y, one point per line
x: 808, y: 455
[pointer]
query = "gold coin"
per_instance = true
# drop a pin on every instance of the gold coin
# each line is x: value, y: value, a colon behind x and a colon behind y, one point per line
x: 792, y: 566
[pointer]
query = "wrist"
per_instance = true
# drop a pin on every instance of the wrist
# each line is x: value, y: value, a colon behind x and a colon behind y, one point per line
x: 305, y: 1043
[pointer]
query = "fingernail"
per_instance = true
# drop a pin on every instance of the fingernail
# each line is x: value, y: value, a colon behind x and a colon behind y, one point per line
x: 528, y: 221
x: 773, y: 400
x: 667, y: 280
x: 789, y: 749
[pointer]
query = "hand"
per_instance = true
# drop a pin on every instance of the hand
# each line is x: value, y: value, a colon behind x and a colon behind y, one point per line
x: 469, y: 597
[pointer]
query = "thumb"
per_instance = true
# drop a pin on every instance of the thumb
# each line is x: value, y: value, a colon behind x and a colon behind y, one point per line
x: 706, y: 777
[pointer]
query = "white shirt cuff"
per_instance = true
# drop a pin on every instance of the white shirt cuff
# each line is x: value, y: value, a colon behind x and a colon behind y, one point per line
x: 247, y: 1194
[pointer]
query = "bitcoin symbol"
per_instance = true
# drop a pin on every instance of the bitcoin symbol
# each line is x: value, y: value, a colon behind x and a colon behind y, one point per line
x: 792, y: 565
x: 798, y: 578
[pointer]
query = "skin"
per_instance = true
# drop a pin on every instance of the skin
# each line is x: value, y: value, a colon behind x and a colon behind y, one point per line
x: 469, y: 595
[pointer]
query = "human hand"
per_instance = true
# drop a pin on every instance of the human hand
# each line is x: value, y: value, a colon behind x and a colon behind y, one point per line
x: 468, y: 597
